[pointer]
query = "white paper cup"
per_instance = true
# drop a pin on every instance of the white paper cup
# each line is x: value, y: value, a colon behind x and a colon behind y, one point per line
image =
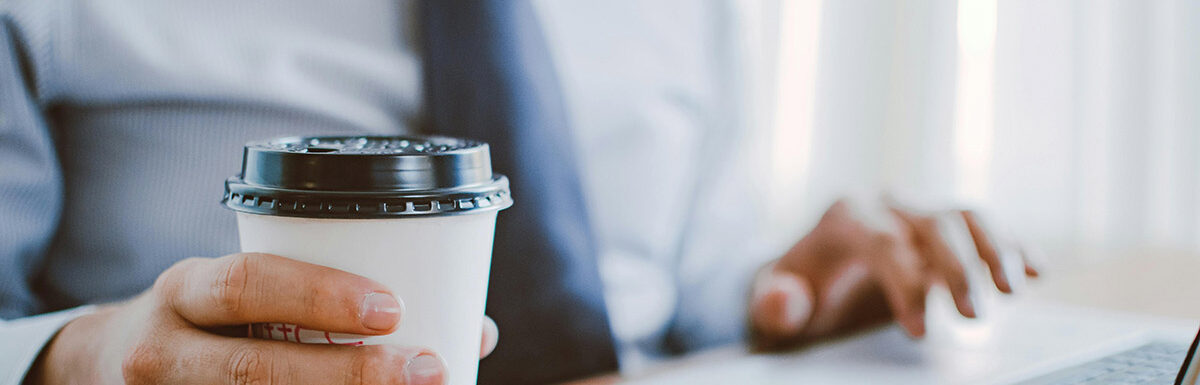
x: 437, y: 266
x: 417, y: 215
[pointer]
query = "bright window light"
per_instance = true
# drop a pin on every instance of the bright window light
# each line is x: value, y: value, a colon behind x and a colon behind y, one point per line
x: 974, y: 101
x: 794, y: 91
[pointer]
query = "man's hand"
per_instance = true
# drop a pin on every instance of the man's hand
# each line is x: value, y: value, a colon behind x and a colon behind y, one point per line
x: 859, y: 267
x: 182, y: 331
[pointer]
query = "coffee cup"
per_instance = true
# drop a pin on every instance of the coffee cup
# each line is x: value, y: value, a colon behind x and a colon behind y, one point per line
x: 416, y: 214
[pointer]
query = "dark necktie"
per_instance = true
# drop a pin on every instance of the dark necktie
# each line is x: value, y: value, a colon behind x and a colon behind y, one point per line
x: 488, y: 76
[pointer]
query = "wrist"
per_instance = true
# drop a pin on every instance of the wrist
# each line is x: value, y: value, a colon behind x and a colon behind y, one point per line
x: 69, y: 357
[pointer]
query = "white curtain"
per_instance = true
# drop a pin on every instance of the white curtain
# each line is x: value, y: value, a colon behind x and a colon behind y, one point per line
x: 1075, y: 123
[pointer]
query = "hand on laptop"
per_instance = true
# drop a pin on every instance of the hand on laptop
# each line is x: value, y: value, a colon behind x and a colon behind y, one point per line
x: 866, y: 263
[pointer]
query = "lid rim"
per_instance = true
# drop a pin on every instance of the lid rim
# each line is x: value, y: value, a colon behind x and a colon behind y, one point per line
x: 252, y: 199
x: 366, y: 176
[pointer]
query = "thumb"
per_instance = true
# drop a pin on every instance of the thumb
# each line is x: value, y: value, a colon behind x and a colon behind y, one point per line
x: 781, y: 305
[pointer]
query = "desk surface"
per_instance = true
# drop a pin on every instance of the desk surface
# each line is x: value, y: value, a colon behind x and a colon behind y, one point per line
x: 1148, y: 282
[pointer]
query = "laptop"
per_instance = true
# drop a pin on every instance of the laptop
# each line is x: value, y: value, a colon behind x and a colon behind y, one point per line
x: 1150, y: 363
x: 1019, y: 341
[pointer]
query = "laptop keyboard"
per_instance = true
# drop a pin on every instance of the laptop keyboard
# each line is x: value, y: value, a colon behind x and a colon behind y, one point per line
x: 1153, y: 363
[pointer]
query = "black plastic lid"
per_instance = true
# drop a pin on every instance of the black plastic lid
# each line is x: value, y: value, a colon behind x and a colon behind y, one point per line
x: 366, y: 177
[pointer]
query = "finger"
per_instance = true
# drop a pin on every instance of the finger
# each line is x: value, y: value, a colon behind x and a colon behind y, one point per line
x: 251, y: 288
x: 782, y: 304
x: 491, y: 336
x: 941, y: 257
x: 196, y: 357
x: 986, y: 247
x: 850, y: 298
x: 944, y: 261
x: 896, y: 267
x: 1032, y: 258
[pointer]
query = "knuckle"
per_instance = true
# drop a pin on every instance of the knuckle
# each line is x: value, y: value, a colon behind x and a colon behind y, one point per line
x: 313, y: 299
x: 250, y: 365
x: 175, y: 274
x: 143, y: 365
x: 958, y: 283
x: 956, y: 272
x: 317, y: 297
x: 955, y: 277
x: 885, y: 241
x: 378, y: 364
x: 927, y: 223
x: 232, y: 283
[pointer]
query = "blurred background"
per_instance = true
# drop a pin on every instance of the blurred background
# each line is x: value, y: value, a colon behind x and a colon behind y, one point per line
x: 1073, y: 123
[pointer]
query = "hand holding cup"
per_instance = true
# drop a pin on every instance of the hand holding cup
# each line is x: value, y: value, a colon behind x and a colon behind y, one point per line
x: 190, y: 328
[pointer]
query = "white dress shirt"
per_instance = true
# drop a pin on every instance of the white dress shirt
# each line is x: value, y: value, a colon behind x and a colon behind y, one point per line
x: 675, y: 182
x: 670, y: 178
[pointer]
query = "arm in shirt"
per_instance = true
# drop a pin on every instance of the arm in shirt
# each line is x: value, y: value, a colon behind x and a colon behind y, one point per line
x: 30, y: 200
x: 724, y: 245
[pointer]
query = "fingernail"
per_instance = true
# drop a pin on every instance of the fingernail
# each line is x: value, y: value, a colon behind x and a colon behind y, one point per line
x: 380, y: 311
x: 796, y: 303
x: 425, y: 369
x: 968, y: 309
x: 916, y: 325
x: 965, y: 305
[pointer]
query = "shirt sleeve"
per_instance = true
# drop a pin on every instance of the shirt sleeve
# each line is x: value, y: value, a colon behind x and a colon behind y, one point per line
x: 30, y: 176
x: 30, y: 200
x: 727, y: 241
x: 24, y: 338
x: 714, y: 292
